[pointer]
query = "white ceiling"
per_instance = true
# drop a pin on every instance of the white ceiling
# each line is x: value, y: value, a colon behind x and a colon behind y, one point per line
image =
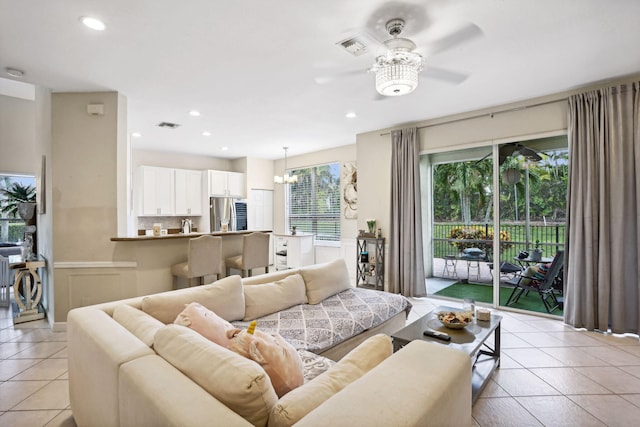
x: 250, y: 66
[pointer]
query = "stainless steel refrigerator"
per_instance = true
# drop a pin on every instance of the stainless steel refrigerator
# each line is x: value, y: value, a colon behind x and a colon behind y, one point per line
x: 222, y: 210
x: 227, y: 210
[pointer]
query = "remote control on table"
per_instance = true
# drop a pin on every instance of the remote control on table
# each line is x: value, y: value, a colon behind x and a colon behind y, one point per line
x: 437, y: 335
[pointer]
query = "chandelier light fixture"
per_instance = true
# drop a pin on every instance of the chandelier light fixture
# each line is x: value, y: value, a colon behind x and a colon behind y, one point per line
x: 286, y: 178
x: 397, y: 70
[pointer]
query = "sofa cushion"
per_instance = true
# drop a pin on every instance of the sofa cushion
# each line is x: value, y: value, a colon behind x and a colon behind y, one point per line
x: 139, y: 323
x: 299, y: 402
x: 239, y: 383
x: 206, y: 323
x: 225, y: 297
x: 325, y: 280
x: 276, y: 356
x: 268, y: 298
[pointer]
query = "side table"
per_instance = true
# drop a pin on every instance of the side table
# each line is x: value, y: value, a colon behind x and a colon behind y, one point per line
x: 27, y: 288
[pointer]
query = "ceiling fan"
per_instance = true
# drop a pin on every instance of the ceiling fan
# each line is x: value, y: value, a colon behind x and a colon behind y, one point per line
x: 514, y: 149
x: 399, y: 62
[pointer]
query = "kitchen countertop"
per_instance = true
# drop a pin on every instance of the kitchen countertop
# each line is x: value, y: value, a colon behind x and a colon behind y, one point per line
x: 183, y: 236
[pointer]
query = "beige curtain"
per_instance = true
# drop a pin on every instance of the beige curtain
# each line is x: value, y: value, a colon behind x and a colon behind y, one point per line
x: 406, y: 263
x: 603, y: 250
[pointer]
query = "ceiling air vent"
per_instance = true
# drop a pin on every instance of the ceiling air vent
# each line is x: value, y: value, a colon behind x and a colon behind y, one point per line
x: 168, y: 125
x: 356, y: 45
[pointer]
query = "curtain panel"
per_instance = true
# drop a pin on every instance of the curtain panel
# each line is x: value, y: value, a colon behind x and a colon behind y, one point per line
x: 406, y: 263
x: 603, y: 210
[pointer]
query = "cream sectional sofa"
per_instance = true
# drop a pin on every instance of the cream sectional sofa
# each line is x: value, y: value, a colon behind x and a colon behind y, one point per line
x: 129, y: 366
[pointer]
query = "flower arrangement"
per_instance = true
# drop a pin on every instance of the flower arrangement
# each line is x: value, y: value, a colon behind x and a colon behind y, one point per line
x: 478, y: 233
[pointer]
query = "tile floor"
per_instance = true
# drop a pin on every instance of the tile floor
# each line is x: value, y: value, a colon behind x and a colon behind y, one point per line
x: 550, y: 375
x: 554, y: 375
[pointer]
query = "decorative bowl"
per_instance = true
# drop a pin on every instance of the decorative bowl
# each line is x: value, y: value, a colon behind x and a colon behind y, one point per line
x: 455, y: 319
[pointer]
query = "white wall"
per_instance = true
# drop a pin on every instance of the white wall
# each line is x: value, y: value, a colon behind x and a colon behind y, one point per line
x: 178, y: 160
x: 25, y: 135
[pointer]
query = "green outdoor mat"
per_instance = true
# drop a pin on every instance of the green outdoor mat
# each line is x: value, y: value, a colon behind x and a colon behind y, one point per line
x: 484, y: 293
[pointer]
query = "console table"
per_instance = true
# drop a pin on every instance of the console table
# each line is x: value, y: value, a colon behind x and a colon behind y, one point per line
x: 27, y: 288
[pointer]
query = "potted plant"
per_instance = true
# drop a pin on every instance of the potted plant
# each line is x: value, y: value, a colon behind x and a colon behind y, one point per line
x: 536, y: 253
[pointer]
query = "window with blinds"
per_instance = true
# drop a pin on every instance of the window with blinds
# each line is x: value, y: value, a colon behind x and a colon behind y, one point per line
x: 313, y: 203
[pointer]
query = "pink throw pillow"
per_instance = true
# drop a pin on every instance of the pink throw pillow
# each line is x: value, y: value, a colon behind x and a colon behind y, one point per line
x: 278, y: 358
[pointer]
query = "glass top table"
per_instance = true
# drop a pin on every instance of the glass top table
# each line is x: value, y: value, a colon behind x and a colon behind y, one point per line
x: 473, y: 340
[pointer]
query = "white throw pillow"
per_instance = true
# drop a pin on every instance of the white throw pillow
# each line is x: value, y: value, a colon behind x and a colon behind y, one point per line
x: 293, y: 406
x: 241, y: 384
x: 269, y: 298
x: 325, y: 280
x: 224, y: 297
x: 140, y: 324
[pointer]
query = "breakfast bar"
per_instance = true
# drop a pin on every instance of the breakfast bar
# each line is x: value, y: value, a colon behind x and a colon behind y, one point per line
x: 171, y: 236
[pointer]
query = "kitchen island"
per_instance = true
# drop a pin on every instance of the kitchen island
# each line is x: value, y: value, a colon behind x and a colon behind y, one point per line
x: 138, y: 265
x: 185, y: 236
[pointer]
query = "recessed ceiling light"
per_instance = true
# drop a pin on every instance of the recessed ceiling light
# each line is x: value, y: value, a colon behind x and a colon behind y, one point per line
x: 136, y: 134
x: 14, y: 72
x: 205, y: 133
x: 350, y: 115
x: 93, y: 23
x: 194, y: 113
x: 224, y: 148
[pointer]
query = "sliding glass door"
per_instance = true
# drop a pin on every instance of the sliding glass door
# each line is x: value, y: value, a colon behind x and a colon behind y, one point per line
x: 460, y: 238
x: 475, y: 240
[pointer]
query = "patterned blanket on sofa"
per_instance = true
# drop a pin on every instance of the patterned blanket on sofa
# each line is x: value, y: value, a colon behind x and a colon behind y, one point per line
x: 337, y: 318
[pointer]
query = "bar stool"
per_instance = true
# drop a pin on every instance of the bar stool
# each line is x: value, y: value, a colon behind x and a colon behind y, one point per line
x: 255, y: 254
x: 203, y: 259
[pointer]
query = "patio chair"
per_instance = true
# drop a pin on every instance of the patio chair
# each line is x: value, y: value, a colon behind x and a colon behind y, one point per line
x: 507, y: 270
x: 543, y: 286
x: 473, y: 256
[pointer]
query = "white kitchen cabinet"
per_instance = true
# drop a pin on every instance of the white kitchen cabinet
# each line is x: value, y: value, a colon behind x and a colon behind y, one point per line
x: 223, y: 183
x: 156, y: 197
x: 293, y: 251
x: 188, y: 192
x: 235, y: 185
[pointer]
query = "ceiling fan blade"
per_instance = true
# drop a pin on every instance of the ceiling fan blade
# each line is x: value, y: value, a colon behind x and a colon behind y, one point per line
x: 447, y: 76
x: 459, y: 36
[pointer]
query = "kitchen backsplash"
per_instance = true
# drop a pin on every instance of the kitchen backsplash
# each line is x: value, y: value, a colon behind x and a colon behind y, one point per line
x: 146, y: 222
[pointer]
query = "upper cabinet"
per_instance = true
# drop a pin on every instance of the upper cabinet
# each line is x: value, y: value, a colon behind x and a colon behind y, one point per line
x: 169, y: 192
x: 156, y: 196
x: 188, y: 192
x: 223, y: 183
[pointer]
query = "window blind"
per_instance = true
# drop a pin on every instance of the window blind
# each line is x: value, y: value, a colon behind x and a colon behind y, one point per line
x: 313, y: 203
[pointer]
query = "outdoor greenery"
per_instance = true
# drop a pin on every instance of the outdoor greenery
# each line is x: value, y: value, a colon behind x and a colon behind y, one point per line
x: 13, y: 190
x: 463, y: 205
x: 463, y: 190
x: 551, y: 237
x: 13, y: 193
x: 478, y: 237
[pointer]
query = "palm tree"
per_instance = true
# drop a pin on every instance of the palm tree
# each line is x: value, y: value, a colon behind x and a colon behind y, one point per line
x: 13, y: 195
x: 469, y: 181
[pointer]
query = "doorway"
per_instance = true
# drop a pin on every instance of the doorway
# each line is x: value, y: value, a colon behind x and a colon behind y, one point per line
x: 472, y: 245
